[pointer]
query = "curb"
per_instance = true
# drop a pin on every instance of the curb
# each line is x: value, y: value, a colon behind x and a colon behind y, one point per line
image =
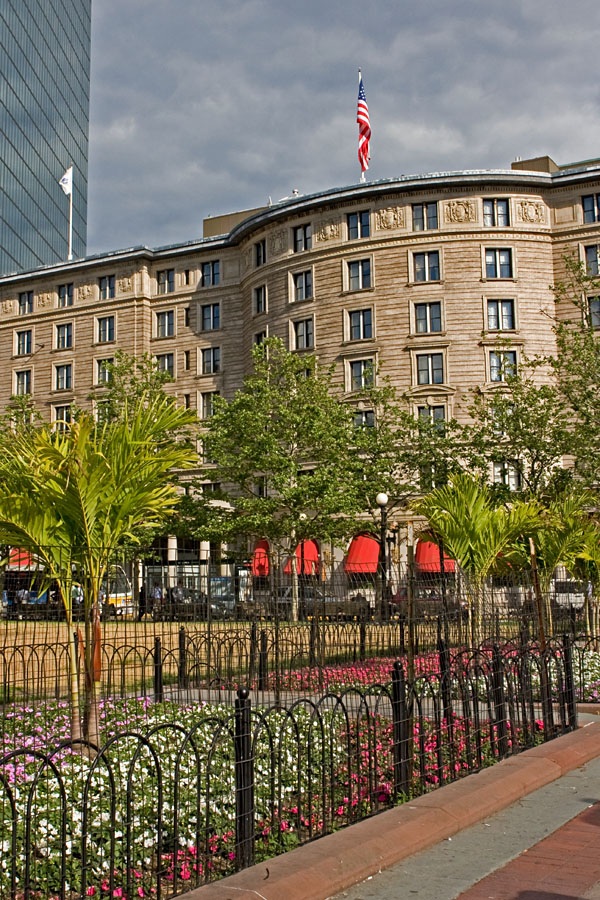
x: 329, y: 865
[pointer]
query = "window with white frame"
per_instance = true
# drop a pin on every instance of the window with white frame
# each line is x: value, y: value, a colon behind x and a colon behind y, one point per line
x: 498, y: 263
x: 211, y: 273
x: 361, y: 374
x: 359, y: 225
x: 25, y: 303
x: 591, y: 259
x: 428, y: 317
x: 106, y: 285
x: 165, y: 280
x: 210, y: 316
x: 260, y: 252
x: 303, y: 287
x: 503, y: 364
x: 360, y: 322
x: 106, y: 329
x: 24, y: 342
x: 302, y: 237
x: 495, y: 213
x: 165, y: 323
x: 425, y: 216
x: 65, y: 295
x: 62, y: 416
x: 359, y: 274
x: 430, y: 368
x: 23, y: 382
x: 63, y: 377
x: 260, y: 299
x: 591, y: 208
x: 64, y: 336
x: 165, y: 362
x: 211, y: 360
x: 501, y: 315
x: 207, y: 403
x: 304, y: 334
x: 103, y: 370
x: 427, y: 266
x: 364, y: 418
x: 507, y: 474
x: 594, y: 311
x: 433, y: 414
x: 101, y: 410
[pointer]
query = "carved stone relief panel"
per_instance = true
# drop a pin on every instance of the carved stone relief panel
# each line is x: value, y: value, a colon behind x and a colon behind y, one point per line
x: 531, y: 212
x: 329, y: 229
x: 390, y: 217
x: 459, y: 211
x: 125, y: 283
x: 8, y: 306
x: 277, y: 243
x: 45, y: 300
x: 84, y: 291
x: 247, y: 258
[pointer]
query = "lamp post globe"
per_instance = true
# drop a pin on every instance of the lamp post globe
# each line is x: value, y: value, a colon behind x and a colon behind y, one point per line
x: 382, y: 501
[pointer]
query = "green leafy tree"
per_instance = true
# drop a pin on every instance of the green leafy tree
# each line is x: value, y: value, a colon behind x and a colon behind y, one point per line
x: 73, y: 497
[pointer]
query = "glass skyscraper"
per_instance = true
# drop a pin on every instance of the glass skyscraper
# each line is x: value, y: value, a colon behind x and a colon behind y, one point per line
x: 44, y: 114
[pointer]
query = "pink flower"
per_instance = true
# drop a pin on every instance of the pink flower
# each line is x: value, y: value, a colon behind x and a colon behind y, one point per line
x: 91, y: 891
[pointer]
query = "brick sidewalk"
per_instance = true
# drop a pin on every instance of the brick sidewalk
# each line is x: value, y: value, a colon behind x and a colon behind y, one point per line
x: 564, y: 865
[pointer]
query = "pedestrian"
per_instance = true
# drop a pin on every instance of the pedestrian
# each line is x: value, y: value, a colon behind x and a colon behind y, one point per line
x: 142, y: 609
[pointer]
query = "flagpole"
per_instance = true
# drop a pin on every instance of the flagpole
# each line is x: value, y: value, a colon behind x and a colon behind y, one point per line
x: 362, y: 171
x: 70, y: 225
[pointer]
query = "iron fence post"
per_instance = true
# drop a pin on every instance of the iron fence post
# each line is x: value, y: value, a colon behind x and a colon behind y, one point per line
x: 446, y: 688
x: 312, y: 646
x: 159, y: 694
x: 569, y: 682
x: 182, y: 669
x: 499, y: 702
x: 253, y: 652
x: 262, y: 662
x: 400, y: 721
x: 362, y: 652
x: 244, y: 782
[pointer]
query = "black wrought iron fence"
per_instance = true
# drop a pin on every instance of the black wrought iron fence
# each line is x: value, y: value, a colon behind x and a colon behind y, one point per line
x: 177, y: 794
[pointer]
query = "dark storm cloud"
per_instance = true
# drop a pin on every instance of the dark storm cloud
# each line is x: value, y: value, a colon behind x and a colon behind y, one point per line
x: 201, y: 107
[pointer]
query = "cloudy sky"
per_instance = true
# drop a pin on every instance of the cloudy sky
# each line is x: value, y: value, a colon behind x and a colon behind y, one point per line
x: 202, y: 107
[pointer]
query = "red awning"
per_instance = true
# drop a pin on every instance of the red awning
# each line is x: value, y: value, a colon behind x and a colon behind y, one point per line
x: 363, y: 554
x: 260, y: 559
x: 19, y: 559
x: 309, y: 551
x: 427, y: 558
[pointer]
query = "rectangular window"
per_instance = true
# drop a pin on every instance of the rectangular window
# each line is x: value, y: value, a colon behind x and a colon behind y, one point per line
x: 433, y: 414
x: 165, y: 324
x: 428, y: 317
x: 591, y: 208
x: 304, y: 336
x: 260, y: 299
x: 495, y: 213
x: 364, y: 418
x: 165, y: 281
x: 507, y: 474
x: 186, y: 360
x: 64, y: 377
x: 211, y: 273
x: 208, y: 403
x: 211, y: 317
x: 24, y: 342
x: 260, y: 252
x: 103, y: 372
x: 211, y: 361
x: 498, y: 264
x: 165, y: 362
x: 23, y: 382
x: 503, y: 364
x: 427, y: 266
x: 359, y: 275
x: 187, y: 401
x: 501, y: 315
x: 594, y: 311
x: 361, y: 374
x: 302, y: 238
x: 107, y: 287
x: 430, y: 368
x: 106, y: 329
x: 64, y: 336
x: 361, y: 324
x: 591, y: 260
x: 65, y: 295
x: 359, y: 225
x: 25, y: 303
x: 62, y: 417
x: 302, y: 285
x: 425, y: 216
x: 260, y: 336
x: 186, y: 316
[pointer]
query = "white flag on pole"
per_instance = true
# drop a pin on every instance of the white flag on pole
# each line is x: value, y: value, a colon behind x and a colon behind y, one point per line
x: 66, y: 182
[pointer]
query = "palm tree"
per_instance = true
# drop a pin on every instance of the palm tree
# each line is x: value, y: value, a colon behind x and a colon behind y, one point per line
x: 464, y: 518
x: 73, y: 497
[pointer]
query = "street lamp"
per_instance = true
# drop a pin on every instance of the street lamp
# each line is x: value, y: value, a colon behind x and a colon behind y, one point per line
x: 382, y: 501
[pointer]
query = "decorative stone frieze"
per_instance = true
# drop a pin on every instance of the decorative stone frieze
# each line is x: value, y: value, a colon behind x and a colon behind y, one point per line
x: 125, y: 283
x: 390, y: 217
x: 84, y: 291
x: 45, y: 300
x: 459, y: 211
x: 8, y: 306
x: 532, y: 212
x: 329, y: 229
x: 277, y: 243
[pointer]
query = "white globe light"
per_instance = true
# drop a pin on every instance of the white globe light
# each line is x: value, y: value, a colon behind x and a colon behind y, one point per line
x: 381, y: 499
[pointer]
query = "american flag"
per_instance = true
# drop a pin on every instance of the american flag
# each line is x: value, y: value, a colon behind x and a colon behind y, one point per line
x: 364, y: 126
